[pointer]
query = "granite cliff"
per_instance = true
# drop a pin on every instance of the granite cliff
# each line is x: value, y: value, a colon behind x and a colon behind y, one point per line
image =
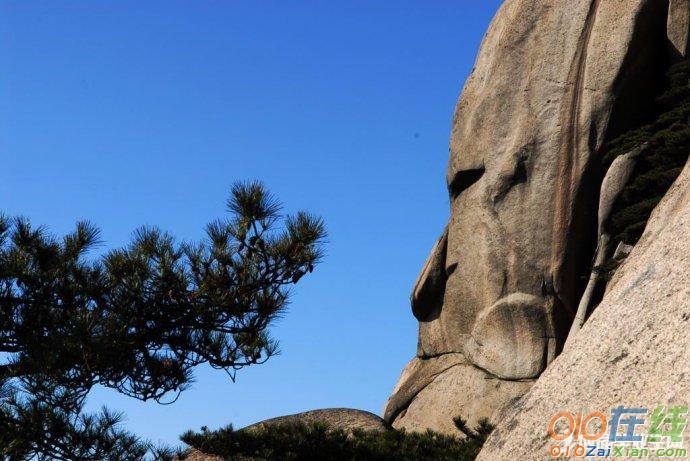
x: 511, y: 278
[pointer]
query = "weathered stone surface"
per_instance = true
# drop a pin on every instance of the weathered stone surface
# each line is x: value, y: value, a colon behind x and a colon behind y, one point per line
x: 513, y: 339
x: 616, y: 179
x: 418, y: 374
x: 461, y: 390
x: 552, y: 81
x: 632, y: 351
x: 339, y: 418
x: 679, y: 26
x: 196, y: 455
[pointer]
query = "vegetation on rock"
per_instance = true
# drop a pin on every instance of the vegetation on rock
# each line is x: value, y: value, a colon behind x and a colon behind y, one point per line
x: 668, y: 139
x: 318, y: 441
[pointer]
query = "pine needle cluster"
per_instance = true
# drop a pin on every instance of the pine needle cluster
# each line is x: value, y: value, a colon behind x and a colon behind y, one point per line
x: 137, y: 319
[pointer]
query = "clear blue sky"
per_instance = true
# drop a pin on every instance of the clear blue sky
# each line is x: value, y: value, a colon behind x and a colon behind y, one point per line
x: 129, y: 113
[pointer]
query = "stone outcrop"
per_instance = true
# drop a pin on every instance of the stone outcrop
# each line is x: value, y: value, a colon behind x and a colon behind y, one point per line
x: 339, y: 418
x: 553, y: 81
x: 347, y: 419
x: 632, y: 350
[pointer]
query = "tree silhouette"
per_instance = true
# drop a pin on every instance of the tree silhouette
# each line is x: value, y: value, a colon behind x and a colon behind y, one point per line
x: 137, y: 319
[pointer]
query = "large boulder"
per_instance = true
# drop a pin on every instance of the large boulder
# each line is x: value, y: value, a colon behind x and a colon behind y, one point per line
x: 632, y: 351
x: 553, y: 80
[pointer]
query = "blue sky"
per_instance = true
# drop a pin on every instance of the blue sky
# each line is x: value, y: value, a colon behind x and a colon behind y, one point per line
x: 130, y: 113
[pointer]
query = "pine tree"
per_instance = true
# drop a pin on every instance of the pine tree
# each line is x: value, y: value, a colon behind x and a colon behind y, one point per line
x: 137, y: 319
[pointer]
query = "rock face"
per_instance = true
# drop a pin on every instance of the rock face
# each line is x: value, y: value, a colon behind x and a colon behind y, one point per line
x: 553, y: 81
x: 633, y: 349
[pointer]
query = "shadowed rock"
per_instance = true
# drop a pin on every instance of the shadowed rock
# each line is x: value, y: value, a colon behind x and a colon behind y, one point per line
x: 617, y: 177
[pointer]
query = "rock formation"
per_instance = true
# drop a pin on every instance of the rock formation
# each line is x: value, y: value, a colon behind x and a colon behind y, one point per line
x: 633, y: 350
x: 553, y: 82
x: 342, y: 418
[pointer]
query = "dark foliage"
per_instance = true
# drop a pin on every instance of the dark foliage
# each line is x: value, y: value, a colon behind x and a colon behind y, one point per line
x: 668, y: 139
x: 32, y: 429
x: 137, y: 319
x: 479, y: 435
x: 317, y: 441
